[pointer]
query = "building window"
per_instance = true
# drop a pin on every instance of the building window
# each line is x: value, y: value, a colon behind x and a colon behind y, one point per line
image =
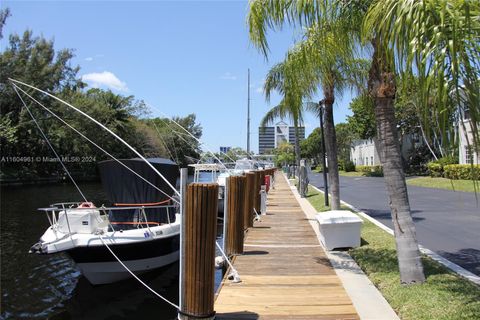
x: 371, y: 161
x: 466, y: 113
x: 366, y: 161
x: 468, y: 154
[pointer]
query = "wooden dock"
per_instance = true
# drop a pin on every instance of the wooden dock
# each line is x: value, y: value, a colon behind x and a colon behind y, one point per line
x: 285, y: 272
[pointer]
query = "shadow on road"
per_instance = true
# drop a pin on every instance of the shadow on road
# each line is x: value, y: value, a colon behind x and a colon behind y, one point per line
x: 468, y: 258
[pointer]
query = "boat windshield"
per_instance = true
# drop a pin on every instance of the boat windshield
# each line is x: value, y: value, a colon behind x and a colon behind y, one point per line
x: 244, y: 165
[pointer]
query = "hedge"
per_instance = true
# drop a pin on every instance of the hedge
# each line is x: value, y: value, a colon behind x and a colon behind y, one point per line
x: 462, y: 171
x: 346, y: 165
x: 435, y: 169
x: 370, y: 171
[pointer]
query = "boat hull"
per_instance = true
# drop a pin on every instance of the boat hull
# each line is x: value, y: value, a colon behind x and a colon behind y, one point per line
x: 98, y: 273
x: 99, y: 266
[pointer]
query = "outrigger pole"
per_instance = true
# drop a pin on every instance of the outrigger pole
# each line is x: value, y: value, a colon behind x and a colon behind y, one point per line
x: 196, y: 139
x: 92, y: 142
x: 248, y: 115
x: 104, y: 128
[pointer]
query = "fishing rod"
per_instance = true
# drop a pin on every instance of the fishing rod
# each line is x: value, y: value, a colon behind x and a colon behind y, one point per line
x: 89, y: 140
x: 104, y: 128
x: 190, y: 134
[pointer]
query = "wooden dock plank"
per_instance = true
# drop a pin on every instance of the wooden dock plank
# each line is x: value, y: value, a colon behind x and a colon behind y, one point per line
x: 285, y: 272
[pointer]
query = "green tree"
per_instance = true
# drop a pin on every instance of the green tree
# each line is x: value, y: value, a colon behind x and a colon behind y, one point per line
x: 444, y: 64
x: 311, y: 148
x: 323, y: 58
x: 4, y: 14
x: 362, y: 120
x: 284, y: 80
x: 33, y: 60
x: 284, y: 154
x: 180, y: 145
x: 345, y: 136
x: 235, y: 154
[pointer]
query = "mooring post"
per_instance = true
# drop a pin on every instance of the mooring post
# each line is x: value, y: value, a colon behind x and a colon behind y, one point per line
x: 303, y: 179
x: 272, y: 178
x: 199, y: 255
x: 258, y: 184
x: 249, y: 200
x: 226, y: 214
x: 263, y: 200
x: 269, y: 179
x: 183, y: 197
x: 235, y: 221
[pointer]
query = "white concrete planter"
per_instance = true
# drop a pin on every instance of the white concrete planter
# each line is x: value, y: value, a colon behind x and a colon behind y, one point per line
x: 339, y: 229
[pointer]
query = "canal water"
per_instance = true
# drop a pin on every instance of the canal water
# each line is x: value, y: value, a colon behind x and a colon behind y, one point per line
x: 51, y: 287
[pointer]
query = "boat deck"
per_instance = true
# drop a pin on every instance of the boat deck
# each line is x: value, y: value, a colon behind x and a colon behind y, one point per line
x: 285, y: 272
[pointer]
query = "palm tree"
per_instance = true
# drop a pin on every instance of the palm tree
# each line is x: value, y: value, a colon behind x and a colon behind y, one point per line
x: 320, y: 60
x: 281, y: 79
x: 436, y: 38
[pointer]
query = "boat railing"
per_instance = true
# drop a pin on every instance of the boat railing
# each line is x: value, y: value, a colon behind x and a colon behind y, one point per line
x: 53, y: 214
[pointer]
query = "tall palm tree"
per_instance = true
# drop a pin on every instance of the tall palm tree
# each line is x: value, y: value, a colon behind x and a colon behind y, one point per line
x: 319, y: 60
x: 436, y: 38
x: 285, y: 82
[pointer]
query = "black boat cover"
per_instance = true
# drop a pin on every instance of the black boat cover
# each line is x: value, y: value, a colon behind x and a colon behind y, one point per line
x: 123, y: 186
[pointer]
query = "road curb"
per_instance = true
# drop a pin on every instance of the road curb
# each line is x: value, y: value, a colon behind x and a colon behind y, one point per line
x: 435, y: 256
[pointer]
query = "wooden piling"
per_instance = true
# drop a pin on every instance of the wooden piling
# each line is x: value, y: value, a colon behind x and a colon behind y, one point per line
x: 249, y: 199
x: 258, y: 184
x: 199, y: 243
x: 235, y: 222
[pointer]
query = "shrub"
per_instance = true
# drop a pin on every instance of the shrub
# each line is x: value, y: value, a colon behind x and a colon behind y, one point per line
x: 435, y: 170
x: 349, y: 166
x: 370, y: 171
x: 447, y: 160
x: 346, y: 165
x: 462, y: 171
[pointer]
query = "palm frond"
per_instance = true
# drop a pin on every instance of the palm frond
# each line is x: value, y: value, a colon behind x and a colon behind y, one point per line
x: 274, y: 113
x: 437, y: 41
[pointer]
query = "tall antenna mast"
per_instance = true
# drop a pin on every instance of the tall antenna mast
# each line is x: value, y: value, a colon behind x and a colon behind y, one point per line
x: 248, y: 116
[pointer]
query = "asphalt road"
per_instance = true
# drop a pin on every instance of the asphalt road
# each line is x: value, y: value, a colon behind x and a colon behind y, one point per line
x: 447, y: 222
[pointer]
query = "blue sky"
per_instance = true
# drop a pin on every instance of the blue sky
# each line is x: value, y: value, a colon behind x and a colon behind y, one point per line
x: 180, y: 57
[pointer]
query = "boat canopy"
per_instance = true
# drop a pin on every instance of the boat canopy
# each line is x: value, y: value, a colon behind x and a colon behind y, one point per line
x: 206, y: 166
x: 123, y: 186
x: 245, y: 164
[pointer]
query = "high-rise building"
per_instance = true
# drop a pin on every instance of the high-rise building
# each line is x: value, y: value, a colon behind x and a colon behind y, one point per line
x: 270, y: 138
x: 225, y: 149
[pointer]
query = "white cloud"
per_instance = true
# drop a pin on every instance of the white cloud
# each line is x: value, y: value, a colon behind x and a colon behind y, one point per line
x: 228, y: 76
x: 88, y: 59
x: 259, y: 90
x: 104, y: 79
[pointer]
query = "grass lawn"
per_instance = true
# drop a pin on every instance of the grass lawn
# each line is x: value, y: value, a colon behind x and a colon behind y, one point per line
x: 344, y: 173
x: 443, y: 183
x: 350, y: 174
x: 318, y: 200
x: 443, y: 296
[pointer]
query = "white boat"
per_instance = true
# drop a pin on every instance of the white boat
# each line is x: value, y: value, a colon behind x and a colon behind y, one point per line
x: 142, y: 229
x: 215, y: 173
x: 245, y: 165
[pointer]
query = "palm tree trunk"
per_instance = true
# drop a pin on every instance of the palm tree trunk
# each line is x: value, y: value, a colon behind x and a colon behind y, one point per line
x: 331, y: 148
x: 297, y: 144
x: 381, y: 85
